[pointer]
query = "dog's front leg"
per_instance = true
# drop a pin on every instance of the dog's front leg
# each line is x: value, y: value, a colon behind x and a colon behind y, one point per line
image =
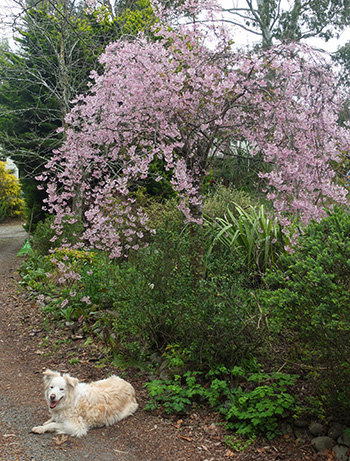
x: 49, y: 426
x: 74, y: 427
x: 48, y: 422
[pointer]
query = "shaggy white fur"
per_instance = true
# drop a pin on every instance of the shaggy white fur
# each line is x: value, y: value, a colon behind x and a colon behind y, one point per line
x: 76, y: 407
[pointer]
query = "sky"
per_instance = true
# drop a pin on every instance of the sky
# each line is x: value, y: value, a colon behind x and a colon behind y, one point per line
x: 246, y: 39
x: 7, y: 9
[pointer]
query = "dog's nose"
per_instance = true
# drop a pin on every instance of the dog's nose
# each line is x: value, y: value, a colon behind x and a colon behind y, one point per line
x: 52, y: 396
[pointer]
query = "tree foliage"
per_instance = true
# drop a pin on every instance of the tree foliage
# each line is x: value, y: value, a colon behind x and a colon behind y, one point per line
x: 342, y: 57
x: 58, y: 46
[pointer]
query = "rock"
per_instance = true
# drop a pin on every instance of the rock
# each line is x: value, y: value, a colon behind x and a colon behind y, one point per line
x: 287, y: 428
x: 164, y: 375
x: 211, y: 429
x: 300, y: 434
x: 300, y: 423
x: 156, y: 358
x: 341, y: 453
x: 164, y: 372
x: 335, y: 430
x: 316, y: 429
x: 344, y: 439
x: 322, y: 443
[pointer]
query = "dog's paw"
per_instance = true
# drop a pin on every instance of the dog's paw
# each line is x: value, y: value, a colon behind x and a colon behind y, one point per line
x: 38, y: 429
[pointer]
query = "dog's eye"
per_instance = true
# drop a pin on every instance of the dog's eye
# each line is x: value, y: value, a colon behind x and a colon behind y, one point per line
x: 62, y: 389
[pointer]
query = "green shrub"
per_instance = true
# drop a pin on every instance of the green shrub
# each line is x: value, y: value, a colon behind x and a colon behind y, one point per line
x: 11, y: 201
x: 153, y: 292
x: 309, y: 296
x: 154, y: 300
x: 34, y: 272
x: 175, y: 395
x: 159, y: 301
x: 157, y: 297
x: 223, y: 198
x: 260, y: 407
x: 165, y: 216
x: 251, y: 403
x: 45, y: 237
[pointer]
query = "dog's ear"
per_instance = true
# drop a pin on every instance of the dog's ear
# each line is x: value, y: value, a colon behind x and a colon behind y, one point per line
x: 49, y: 374
x: 70, y: 380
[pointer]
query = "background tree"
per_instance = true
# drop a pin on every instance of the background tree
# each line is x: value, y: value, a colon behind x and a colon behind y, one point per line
x: 342, y: 61
x: 58, y: 44
x: 342, y: 57
x: 279, y: 21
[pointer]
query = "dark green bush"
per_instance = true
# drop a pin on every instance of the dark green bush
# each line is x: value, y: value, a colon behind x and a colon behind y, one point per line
x: 33, y: 198
x: 221, y: 198
x: 159, y: 301
x: 309, y: 296
x: 44, y: 235
x: 165, y: 294
x: 3, y: 211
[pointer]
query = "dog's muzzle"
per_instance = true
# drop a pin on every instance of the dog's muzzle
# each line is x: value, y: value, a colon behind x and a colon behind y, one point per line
x: 53, y: 401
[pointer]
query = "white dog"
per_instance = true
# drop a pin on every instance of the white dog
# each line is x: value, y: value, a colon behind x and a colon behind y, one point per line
x: 76, y: 407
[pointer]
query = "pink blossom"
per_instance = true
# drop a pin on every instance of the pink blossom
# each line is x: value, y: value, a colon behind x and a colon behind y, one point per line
x: 64, y: 303
x: 86, y: 299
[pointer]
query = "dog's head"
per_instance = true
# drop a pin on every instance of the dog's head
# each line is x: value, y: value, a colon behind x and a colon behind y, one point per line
x: 58, y: 388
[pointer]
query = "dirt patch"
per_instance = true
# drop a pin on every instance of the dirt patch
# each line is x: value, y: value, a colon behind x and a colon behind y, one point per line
x: 28, y: 346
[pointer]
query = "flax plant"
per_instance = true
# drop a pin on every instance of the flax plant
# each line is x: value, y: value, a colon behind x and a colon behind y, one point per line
x: 252, y: 232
